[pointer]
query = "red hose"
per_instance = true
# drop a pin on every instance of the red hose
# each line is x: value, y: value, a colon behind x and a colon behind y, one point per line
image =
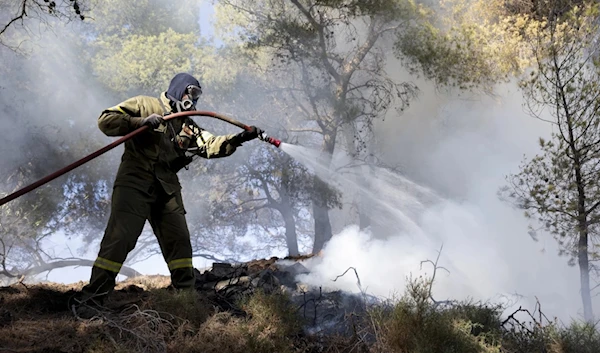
x: 107, y: 148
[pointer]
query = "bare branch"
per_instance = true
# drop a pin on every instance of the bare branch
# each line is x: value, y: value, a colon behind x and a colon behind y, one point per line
x: 319, y: 27
x: 355, y: 273
x: 22, y: 15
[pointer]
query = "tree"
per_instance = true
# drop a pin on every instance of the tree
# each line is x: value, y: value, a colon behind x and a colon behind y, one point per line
x: 559, y: 187
x: 54, y: 132
x: 51, y: 135
x: 145, y: 17
x: 259, y: 191
x: 270, y: 188
x: 138, y: 64
x: 138, y: 47
x: 333, y: 67
x: 465, y: 45
x: 136, y: 54
x: 16, y: 13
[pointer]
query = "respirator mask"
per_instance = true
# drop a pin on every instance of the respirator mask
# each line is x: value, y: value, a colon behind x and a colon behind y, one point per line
x: 193, y: 93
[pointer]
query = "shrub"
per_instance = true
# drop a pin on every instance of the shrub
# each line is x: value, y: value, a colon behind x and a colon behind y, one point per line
x: 578, y: 338
x: 270, y: 326
x: 414, y: 324
x: 187, y: 305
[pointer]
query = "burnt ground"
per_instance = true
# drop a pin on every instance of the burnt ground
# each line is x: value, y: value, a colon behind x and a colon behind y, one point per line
x: 235, y: 308
x: 37, y: 318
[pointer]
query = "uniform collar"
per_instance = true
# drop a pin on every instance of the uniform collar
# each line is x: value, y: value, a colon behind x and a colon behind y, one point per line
x: 166, y: 102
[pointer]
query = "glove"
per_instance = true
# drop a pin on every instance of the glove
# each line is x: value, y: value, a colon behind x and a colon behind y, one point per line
x: 153, y: 120
x: 248, y: 135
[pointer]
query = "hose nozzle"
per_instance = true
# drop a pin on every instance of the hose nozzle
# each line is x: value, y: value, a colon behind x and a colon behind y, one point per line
x: 264, y: 137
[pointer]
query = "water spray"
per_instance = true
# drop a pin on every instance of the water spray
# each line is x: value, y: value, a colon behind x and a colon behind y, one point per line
x: 262, y: 136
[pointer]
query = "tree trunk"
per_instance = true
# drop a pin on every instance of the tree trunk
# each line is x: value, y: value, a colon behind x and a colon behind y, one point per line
x: 359, y: 210
x: 584, y: 274
x: 582, y: 224
x: 364, y: 206
x: 291, y: 238
x: 323, y: 231
x: 582, y: 246
x: 582, y: 214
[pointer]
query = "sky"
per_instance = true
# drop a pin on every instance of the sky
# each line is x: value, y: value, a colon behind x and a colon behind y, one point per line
x: 207, y: 12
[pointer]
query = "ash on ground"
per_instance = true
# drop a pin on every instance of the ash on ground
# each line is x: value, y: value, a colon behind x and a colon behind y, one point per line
x: 324, y: 312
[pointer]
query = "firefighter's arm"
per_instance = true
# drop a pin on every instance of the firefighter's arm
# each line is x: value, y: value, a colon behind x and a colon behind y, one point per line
x: 121, y: 119
x: 216, y: 146
x: 203, y: 143
x: 212, y: 146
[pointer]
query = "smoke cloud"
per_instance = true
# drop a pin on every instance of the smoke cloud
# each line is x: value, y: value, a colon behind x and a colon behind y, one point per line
x: 462, y: 150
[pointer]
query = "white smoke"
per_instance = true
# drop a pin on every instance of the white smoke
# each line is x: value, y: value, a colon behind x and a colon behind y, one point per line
x: 486, y: 246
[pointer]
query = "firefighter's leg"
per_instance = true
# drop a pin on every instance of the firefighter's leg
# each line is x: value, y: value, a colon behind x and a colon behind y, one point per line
x: 129, y: 210
x: 170, y: 226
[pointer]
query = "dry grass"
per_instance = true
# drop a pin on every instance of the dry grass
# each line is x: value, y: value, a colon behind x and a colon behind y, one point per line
x: 186, y: 306
x: 147, y: 317
x: 270, y: 326
x: 54, y: 335
x: 147, y: 282
x: 36, y: 319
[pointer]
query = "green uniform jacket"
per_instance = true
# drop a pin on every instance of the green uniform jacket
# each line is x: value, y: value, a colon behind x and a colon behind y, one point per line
x: 148, y: 156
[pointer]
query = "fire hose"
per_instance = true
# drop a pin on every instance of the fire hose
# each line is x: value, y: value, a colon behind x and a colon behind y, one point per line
x: 275, y: 142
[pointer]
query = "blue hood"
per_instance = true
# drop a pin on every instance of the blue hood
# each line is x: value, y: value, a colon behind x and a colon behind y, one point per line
x: 178, y: 85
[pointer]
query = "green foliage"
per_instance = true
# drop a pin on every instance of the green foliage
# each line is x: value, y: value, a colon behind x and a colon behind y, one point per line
x: 558, y: 188
x: 465, y: 45
x: 337, y: 74
x: 534, y: 337
x: 540, y: 10
x: 145, y: 17
x: 552, y: 185
x: 484, y: 317
x: 145, y: 63
x: 272, y: 314
x: 416, y: 324
x: 578, y: 338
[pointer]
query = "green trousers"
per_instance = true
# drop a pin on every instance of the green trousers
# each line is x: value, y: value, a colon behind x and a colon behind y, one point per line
x: 130, y: 209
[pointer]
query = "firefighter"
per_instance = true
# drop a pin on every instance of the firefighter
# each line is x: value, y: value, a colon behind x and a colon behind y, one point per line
x: 147, y: 187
